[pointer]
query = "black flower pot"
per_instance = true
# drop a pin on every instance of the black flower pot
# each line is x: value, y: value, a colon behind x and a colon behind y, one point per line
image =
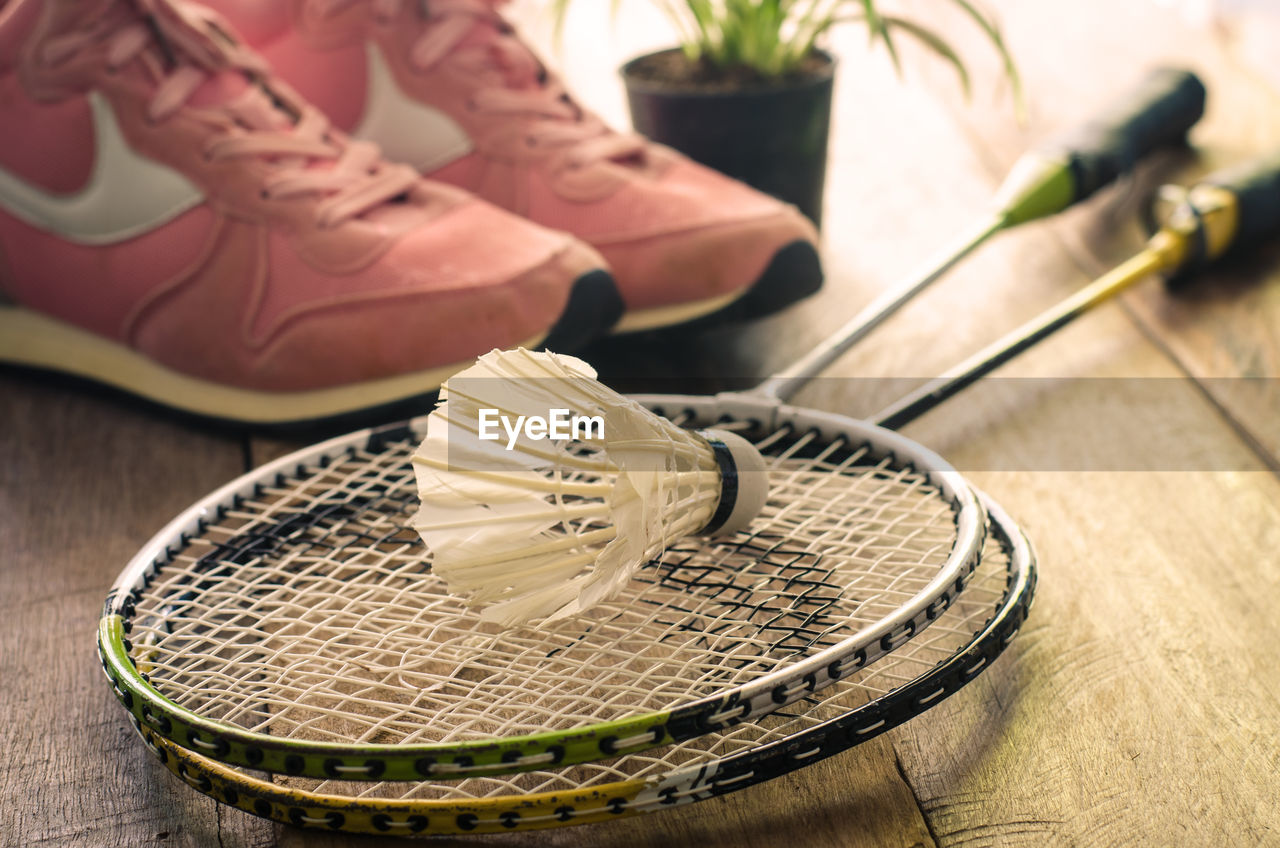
x: 772, y: 137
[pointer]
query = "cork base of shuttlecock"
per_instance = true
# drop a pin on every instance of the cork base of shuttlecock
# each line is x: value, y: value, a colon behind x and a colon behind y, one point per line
x: 744, y: 486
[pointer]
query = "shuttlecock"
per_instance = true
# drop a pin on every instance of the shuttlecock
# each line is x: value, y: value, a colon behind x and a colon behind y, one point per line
x: 544, y: 491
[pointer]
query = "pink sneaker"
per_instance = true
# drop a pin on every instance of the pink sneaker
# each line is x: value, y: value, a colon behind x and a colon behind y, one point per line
x: 448, y: 87
x: 176, y: 222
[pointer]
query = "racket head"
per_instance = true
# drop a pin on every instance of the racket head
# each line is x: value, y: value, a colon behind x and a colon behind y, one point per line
x: 899, y: 686
x: 172, y: 641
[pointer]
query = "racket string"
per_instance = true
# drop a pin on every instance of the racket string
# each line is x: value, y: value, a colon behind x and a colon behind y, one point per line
x: 955, y: 628
x: 309, y: 611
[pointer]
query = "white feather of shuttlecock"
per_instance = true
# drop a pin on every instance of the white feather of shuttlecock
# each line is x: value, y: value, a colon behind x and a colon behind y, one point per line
x: 549, y: 529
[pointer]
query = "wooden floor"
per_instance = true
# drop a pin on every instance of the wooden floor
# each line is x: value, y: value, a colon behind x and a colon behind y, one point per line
x: 1139, y: 704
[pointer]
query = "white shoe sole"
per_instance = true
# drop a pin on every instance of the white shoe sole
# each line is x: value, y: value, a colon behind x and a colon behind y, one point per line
x: 639, y: 320
x: 794, y: 273
x: 31, y: 339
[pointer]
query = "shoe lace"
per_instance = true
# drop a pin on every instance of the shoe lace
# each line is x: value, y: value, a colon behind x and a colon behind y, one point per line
x: 513, y: 81
x: 184, y: 48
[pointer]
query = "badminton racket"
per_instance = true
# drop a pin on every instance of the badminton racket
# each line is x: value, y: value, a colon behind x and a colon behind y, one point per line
x: 962, y: 643
x: 290, y: 621
x: 1223, y: 215
x: 1158, y: 112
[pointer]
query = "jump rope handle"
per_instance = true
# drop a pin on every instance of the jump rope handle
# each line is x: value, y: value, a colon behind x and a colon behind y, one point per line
x: 1157, y: 113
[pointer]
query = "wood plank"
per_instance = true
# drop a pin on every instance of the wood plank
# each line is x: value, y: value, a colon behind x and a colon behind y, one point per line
x: 1104, y: 738
x: 84, y: 483
x: 1141, y: 707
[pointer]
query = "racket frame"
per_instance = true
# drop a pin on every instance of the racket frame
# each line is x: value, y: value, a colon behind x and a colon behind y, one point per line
x: 468, y: 758
x: 622, y: 799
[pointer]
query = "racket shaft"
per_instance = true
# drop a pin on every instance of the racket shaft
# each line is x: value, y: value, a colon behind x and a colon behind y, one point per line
x: 786, y: 383
x: 906, y: 410
x: 1158, y: 112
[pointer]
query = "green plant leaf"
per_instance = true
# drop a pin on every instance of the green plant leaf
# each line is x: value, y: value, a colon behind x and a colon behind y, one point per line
x: 710, y: 40
x: 935, y: 43
x: 774, y: 37
x: 877, y: 26
x: 1010, y: 68
x: 814, y: 23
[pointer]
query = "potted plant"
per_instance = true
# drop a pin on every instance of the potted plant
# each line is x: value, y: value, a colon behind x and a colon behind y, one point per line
x: 748, y: 91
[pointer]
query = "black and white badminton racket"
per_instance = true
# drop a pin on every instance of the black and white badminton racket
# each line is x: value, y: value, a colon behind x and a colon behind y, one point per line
x: 290, y: 621
x: 961, y: 644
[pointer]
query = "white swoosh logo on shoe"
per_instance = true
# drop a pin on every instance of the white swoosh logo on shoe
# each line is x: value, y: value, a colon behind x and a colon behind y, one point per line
x: 406, y: 130
x: 126, y: 195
